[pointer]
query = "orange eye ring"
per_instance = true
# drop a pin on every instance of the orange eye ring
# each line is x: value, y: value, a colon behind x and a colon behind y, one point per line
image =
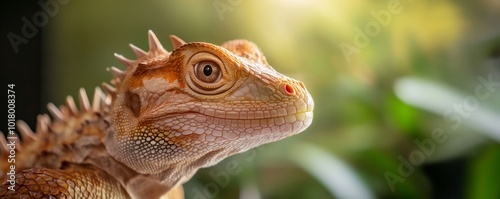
x: 207, y: 74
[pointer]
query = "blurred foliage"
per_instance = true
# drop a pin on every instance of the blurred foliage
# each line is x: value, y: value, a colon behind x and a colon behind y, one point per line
x: 359, y: 119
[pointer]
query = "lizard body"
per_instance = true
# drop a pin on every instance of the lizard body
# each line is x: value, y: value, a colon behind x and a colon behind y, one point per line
x: 166, y: 116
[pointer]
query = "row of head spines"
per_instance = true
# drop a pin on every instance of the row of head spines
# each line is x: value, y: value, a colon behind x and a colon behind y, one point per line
x: 156, y: 51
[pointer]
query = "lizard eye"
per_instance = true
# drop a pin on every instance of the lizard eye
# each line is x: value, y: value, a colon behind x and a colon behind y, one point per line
x: 207, y: 71
x: 207, y: 74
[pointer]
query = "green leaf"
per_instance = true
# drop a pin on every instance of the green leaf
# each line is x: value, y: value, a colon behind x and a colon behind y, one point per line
x: 485, y: 178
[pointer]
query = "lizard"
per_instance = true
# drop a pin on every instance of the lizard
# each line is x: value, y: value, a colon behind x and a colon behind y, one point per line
x: 159, y: 121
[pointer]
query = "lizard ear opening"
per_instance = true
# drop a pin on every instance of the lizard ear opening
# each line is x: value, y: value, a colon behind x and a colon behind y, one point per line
x: 134, y: 103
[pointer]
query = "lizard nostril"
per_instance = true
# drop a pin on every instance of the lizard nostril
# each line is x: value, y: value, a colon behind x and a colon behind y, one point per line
x: 289, y: 90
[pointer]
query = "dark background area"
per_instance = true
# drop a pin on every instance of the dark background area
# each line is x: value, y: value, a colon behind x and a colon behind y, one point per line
x: 24, y: 67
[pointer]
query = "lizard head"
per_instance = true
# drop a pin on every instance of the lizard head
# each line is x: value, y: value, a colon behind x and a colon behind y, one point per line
x: 175, y: 112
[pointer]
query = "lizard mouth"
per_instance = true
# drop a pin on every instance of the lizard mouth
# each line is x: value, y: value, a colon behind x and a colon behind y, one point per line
x: 287, y: 119
x: 252, y: 114
x: 273, y: 111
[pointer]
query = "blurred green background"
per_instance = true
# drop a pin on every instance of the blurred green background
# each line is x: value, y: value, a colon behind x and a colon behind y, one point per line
x: 395, y: 83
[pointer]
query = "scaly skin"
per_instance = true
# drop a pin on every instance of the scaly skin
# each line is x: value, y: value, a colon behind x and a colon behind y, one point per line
x: 79, y: 181
x: 166, y: 116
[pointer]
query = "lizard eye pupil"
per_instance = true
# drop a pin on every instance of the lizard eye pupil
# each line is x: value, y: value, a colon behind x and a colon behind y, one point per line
x: 207, y: 71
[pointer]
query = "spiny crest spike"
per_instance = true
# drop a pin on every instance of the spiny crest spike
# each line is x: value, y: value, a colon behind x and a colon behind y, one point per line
x: 139, y: 53
x: 127, y: 62
x: 84, y: 100
x: 108, y: 88
x: 25, y: 130
x: 19, y: 145
x: 116, y: 81
x: 108, y: 100
x: 55, y: 111
x: 41, y: 125
x: 65, y: 111
x: 116, y: 72
x: 3, y: 142
x: 70, y: 102
x: 47, y: 120
x: 155, y: 46
x: 176, y: 41
x: 98, y: 97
